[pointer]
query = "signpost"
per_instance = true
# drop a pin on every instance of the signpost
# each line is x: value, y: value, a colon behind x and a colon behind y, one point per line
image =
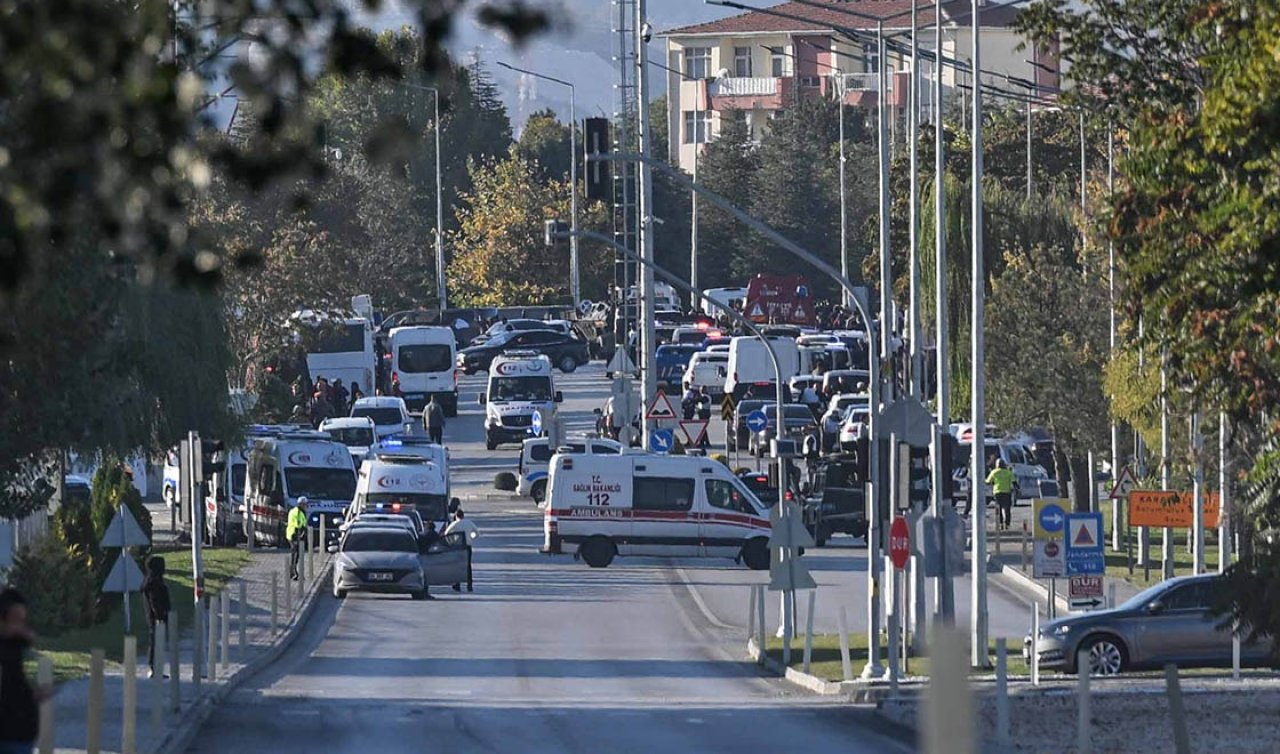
x: 662, y: 441
x: 535, y: 424
x: 1085, y: 593
x: 695, y: 432
x: 786, y: 571
x: 757, y: 421
x: 660, y: 408
x: 123, y: 532
x: 727, y: 407
x: 899, y: 542
x: 1125, y: 484
x: 1084, y: 544
x: 1170, y: 509
x: 1048, y: 560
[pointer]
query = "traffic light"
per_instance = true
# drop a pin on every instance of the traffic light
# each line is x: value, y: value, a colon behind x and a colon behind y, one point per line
x: 598, y: 176
x: 918, y: 476
x: 947, y: 452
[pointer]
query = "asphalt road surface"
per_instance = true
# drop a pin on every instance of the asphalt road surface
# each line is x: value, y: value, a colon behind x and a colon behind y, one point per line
x: 549, y: 655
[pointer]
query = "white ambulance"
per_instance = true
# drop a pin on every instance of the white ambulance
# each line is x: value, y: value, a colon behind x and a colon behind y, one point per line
x: 643, y: 504
x: 406, y: 479
x: 293, y: 464
x: 520, y: 383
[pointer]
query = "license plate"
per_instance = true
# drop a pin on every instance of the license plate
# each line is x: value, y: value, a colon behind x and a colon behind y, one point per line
x: 379, y: 576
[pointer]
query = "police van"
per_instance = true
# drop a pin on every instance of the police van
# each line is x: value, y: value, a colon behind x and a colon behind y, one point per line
x: 391, y: 477
x: 520, y: 383
x: 644, y: 504
x: 293, y: 463
x: 535, y: 459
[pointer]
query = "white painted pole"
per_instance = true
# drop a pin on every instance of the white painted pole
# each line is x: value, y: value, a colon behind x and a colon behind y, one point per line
x: 288, y: 593
x: 44, y: 679
x: 1197, y: 496
x: 916, y: 384
x: 948, y: 709
x: 211, y: 656
x: 1002, y: 693
x: 846, y: 667
x: 157, y: 681
x: 751, y: 614
x: 244, y: 621
x: 93, y: 717
x: 760, y: 640
x: 788, y: 626
x: 1084, y: 738
x: 175, y: 662
x: 944, y: 589
x: 1177, y: 712
x: 1035, y: 644
x: 646, y: 229
x: 1111, y: 588
x: 978, y: 392
x: 129, y: 726
x: 808, y: 631
x: 895, y: 626
x: 1166, y: 542
x: 1224, y: 494
x: 198, y: 625
x: 226, y: 629
x: 1235, y: 652
x: 275, y: 603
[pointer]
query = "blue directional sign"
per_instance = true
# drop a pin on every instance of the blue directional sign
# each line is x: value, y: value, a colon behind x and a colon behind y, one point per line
x: 1084, y: 544
x: 1052, y: 517
x: 757, y: 421
x: 535, y: 424
x: 662, y: 441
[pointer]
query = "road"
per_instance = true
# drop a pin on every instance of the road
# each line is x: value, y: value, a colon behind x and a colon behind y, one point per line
x: 548, y: 655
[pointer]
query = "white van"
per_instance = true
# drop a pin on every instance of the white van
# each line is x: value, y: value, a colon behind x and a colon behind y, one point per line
x: 750, y: 365
x: 716, y: 299
x: 409, y: 479
x: 1027, y: 472
x: 293, y: 464
x: 425, y: 358
x: 535, y: 459
x: 389, y: 414
x: 520, y: 383
x: 356, y: 432
x: 642, y: 504
x: 707, y: 370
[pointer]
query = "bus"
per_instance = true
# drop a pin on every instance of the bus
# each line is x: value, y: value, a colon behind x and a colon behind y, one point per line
x: 339, y: 350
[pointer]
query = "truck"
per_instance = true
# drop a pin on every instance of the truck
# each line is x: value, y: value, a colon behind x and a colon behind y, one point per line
x: 780, y: 299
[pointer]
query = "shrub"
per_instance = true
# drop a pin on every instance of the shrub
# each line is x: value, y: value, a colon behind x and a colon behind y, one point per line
x: 59, y: 583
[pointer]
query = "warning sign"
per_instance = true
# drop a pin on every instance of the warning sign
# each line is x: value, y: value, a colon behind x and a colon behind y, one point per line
x: 660, y: 408
x: 695, y: 431
x: 756, y: 311
x: 1124, y: 485
x: 1084, y: 533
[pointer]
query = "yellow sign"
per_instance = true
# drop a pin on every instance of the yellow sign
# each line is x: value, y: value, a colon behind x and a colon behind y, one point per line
x: 1050, y: 518
x: 1170, y: 509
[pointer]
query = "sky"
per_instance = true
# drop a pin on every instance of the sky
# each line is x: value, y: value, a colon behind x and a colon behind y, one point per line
x: 579, y: 52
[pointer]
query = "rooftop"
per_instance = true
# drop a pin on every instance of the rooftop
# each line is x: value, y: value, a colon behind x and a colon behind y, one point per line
x: 830, y: 18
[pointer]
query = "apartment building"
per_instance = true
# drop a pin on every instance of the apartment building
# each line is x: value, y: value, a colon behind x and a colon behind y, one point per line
x: 759, y: 62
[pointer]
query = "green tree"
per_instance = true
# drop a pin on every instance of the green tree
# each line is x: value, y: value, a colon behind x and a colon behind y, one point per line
x: 726, y: 167
x: 545, y: 142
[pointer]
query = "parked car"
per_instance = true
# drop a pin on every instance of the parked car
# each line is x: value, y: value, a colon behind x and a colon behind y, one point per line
x: 1171, y: 622
x: 838, y: 498
x: 566, y: 352
x: 499, y: 329
x: 739, y: 435
x: 797, y: 422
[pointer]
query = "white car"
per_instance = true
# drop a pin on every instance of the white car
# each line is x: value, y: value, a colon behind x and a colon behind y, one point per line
x: 839, y: 405
x: 356, y: 432
x: 707, y: 369
x: 389, y: 414
x: 854, y: 426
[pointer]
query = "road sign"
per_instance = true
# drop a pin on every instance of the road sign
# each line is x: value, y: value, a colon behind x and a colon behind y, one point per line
x: 662, y: 441
x: 535, y: 423
x: 124, y: 575
x: 787, y: 571
x: 1085, y: 593
x: 1124, y: 485
x: 620, y: 363
x: 727, y: 407
x: 1048, y: 559
x: 757, y: 421
x: 899, y: 542
x: 695, y: 431
x: 123, y: 531
x: 1050, y: 515
x: 661, y: 408
x: 1084, y: 543
x: 1174, y: 509
x: 943, y: 538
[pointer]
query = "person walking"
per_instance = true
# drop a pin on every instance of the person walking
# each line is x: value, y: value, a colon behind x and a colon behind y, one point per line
x: 339, y: 398
x: 433, y: 421
x: 155, y: 594
x: 19, y: 702
x: 295, y: 532
x: 1001, y: 481
x: 467, y: 527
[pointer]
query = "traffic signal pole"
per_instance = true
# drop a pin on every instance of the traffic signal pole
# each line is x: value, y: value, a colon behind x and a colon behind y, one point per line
x: 648, y: 332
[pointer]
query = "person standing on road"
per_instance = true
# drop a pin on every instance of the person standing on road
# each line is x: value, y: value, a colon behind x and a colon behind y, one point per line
x: 470, y: 533
x: 295, y: 531
x: 19, y: 702
x: 433, y: 421
x: 156, y: 595
x: 1001, y: 481
x: 340, y: 396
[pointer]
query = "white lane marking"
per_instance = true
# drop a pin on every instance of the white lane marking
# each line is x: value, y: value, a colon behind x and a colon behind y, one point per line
x: 702, y: 606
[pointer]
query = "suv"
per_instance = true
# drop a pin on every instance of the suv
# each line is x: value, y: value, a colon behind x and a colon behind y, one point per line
x: 565, y: 351
x: 838, y: 498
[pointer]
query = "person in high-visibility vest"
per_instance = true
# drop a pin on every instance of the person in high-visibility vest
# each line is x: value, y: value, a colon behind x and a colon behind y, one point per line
x: 1001, y: 481
x: 294, y: 532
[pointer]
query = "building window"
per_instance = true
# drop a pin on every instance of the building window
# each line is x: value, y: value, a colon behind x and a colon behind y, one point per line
x: 810, y: 81
x: 697, y: 62
x: 742, y: 62
x: 778, y: 63
x: 871, y: 58
x: 697, y: 126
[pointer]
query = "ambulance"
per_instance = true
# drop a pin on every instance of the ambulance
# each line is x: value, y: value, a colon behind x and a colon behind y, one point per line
x: 520, y: 383
x: 603, y: 506
x: 295, y: 463
x: 397, y: 480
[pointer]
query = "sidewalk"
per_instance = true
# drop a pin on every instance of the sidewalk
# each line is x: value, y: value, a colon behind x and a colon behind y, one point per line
x: 261, y: 646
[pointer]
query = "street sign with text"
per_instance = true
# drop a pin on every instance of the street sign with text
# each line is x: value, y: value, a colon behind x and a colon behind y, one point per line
x: 899, y: 542
x: 1085, y: 593
x: 1171, y: 509
x: 1084, y: 544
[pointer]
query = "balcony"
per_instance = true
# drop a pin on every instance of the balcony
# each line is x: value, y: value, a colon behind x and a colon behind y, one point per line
x: 748, y: 93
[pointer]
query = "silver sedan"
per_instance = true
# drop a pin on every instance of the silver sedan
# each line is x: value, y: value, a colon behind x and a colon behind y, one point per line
x: 378, y: 559
x: 1171, y: 622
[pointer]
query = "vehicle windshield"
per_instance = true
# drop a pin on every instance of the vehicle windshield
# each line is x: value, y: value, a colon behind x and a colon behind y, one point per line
x: 432, y: 357
x: 320, y: 484
x: 381, y: 416
x: 857, y: 415
x: 431, y: 507
x: 353, y: 437
x: 520, y: 389
x: 379, y: 541
x: 238, y: 472
x: 1142, y: 598
x: 335, y: 339
x: 790, y: 412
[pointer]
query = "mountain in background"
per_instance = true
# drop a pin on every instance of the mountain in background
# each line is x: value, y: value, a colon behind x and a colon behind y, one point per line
x: 579, y: 51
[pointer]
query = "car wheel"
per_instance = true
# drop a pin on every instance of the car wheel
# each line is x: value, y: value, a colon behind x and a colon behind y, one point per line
x: 539, y: 491
x: 598, y: 552
x: 568, y: 364
x: 1107, y: 655
x: 755, y: 554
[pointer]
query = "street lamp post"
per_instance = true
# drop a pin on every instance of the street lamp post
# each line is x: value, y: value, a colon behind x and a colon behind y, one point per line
x: 440, y: 285
x: 575, y: 274
x: 695, y: 299
x: 977, y: 473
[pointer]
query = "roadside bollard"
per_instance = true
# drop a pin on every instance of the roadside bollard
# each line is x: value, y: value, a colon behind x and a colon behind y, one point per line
x: 197, y: 646
x: 808, y: 631
x: 211, y: 656
x: 225, y: 597
x: 1084, y: 737
x: 93, y: 718
x: 275, y: 604
x: 175, y: 663
x: 288, y: 597
x: 1178, y: 714
x: 751, y: 614
x: 1111, y: 594
x: 44, y: 679
x: 324, y: 541
x: 161, y: 650
x: 1002, y: 693
x: 760, y: 627
x: 129, y: 725
x: 311, y: 562
x: 1025, y: 538
x: 999, y: 538
x: 948, y: 709
x: 1035, y: 644
x: 244, y: 620
x: 846, y: 668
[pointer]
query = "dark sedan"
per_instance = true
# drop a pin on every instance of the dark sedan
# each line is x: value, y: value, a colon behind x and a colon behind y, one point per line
x: 566, y: 352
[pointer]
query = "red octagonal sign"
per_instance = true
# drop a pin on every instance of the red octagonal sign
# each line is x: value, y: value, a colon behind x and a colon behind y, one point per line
x: 899, y: 542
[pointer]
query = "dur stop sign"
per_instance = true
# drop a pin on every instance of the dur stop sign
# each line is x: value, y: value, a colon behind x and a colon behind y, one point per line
x: 899, y: 542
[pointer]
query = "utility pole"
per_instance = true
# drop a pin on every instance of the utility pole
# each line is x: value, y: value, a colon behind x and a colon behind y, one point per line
x: 913, y: 135
x: 440, y: 282
x: 886, y: 265
x: 844, y: 213
x: 649, y: 382
x: 1224, y: 497
x: 1166, y: 540
x: 1116, y: 530
x: 696, y: 300
x: 1197, y: 494
x: 945, y: 598
x: 977, y: 471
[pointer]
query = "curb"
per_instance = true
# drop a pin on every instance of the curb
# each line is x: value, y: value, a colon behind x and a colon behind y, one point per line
x: 1027, y: 584
x: 179, y: 739
x: 857, y: 692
